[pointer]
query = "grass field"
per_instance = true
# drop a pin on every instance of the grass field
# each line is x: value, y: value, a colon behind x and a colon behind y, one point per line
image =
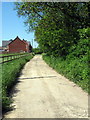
x: 10, y: 72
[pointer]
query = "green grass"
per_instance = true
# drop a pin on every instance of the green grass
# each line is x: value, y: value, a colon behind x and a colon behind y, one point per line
x: 10, y: 72
x: 75, y: 69
x: 6, y: 54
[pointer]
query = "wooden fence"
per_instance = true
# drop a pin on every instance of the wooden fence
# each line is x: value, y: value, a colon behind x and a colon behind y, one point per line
x: 8, y: 58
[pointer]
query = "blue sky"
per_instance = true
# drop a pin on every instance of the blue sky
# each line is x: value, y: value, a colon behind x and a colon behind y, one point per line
x: 13, y: 26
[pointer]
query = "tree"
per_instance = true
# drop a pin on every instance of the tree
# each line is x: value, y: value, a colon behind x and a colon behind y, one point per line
x: 76, y: 13
x: 56, y: 24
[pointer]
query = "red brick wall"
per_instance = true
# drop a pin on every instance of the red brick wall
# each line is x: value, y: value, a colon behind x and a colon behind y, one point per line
x: 27, y: 46
x: 17, y: 46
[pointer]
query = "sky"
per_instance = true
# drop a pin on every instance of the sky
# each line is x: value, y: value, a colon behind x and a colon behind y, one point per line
x: 13, y: 26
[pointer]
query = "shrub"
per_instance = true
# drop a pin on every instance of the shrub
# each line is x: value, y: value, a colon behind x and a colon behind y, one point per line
x: 37, y: 50
x: 74, y: 69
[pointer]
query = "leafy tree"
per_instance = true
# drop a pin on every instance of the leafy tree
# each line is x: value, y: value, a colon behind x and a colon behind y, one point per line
x: 56, y: 24
x: 77, y: 13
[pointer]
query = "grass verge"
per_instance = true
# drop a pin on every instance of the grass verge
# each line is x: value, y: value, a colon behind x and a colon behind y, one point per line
x: 10, y: 72
x: 75, y: 69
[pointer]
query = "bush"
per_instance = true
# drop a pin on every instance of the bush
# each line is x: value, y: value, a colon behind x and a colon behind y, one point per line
x: 74, y: 69
x: 37, y: 50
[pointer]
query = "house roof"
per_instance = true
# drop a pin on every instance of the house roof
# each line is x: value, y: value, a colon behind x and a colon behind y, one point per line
x: 14, y: 40
x: 24, y: 41
x: 5, y: 43
x: 27, y: 42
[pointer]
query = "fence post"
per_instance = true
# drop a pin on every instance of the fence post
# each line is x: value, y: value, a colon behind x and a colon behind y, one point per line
x: 2, y: 59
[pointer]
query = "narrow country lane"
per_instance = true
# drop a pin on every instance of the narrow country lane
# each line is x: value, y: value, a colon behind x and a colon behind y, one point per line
x: 43, y: 93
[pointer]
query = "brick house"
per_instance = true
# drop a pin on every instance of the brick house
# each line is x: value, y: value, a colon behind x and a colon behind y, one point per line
x: 17, y: 45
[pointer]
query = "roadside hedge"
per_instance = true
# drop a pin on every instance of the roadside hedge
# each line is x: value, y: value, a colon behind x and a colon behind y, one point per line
x: 75, y: 65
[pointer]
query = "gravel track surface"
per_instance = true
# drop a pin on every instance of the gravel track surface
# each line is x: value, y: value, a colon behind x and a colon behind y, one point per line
x: 43, y: 93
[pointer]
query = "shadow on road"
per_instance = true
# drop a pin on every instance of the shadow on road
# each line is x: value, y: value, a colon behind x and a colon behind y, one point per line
x: 38, y: 77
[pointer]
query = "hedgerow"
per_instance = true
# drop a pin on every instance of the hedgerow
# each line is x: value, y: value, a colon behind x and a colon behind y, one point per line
x: 75, y: 65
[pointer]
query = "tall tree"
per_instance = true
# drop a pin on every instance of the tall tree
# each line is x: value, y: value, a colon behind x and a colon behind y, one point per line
x: 55, y: 23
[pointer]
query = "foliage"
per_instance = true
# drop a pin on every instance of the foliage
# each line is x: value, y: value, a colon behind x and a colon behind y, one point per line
x: 73, y: 14
x: 82, y: 47
x: 74, y: 69
x: 76, y: 64
x: 10, y: 72
x: 37, y: 50
x: 55, y: 23
x: 55, y: 42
